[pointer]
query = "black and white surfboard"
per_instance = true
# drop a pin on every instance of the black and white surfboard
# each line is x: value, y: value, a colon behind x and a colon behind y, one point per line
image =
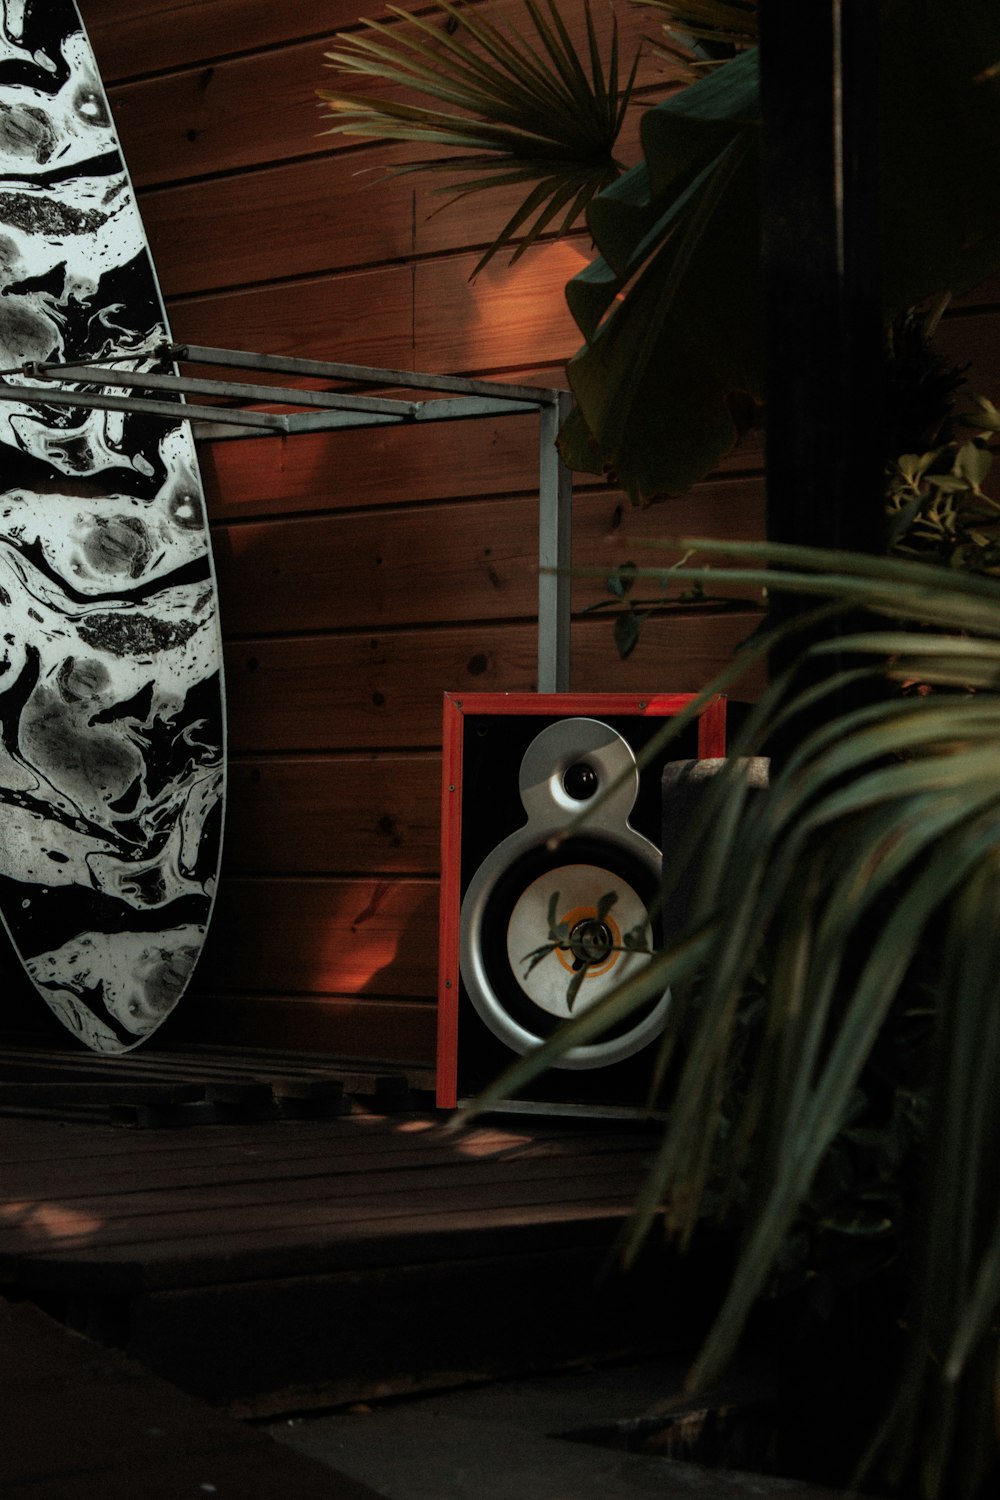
x: 111, y: 707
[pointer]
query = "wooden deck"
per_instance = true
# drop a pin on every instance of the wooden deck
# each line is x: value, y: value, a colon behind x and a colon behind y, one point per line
x: 276, y: 1264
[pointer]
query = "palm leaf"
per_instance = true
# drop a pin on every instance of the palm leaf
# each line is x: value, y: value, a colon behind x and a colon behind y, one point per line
x: 672, y: 310
x: 873, y: 861
x: 939, y: 113
x: 541, y: 114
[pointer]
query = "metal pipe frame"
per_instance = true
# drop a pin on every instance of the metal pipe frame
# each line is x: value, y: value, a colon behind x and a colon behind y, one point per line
x: 457, y: 399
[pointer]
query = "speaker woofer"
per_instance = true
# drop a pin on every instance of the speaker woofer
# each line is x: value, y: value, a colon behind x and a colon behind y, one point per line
x: 506, y: 913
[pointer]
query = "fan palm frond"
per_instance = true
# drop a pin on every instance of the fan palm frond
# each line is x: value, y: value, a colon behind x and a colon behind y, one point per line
x: 864, y: 887
x: 520, y: 108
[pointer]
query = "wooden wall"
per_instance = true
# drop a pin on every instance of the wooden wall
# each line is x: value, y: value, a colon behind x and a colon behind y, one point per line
x: 361, y: 574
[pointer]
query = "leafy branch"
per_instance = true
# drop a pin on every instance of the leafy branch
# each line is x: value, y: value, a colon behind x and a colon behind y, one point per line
x: 936, y: 502
x: 519, y: 108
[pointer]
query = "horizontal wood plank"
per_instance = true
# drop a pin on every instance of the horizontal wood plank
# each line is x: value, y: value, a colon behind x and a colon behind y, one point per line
x: 217, y: 1238
x: 385, y: 691
x: 476, y: 1228
x: 510, y: 315
x: 328, y: 214
x: 197, y: 1198
x: 98, y: 1160
x: 427, y: 316
x: 449, y: 563
x: 356, y: 1027
x: 331, y: 212
x: 377, y: 814
x: 262, y: 106
x: 131, y: 37
x: 364, y: 318
x: 220, y: 118
x: 985, y: 294
x: 214, y: 1226
x: 337, y: 937
x: 138, y: 1188
x: 91, y: 1152
x: 256, y: 477
x: 253, y: 478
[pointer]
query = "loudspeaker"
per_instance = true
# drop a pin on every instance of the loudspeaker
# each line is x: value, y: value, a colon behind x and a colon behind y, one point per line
x: 518, y: 767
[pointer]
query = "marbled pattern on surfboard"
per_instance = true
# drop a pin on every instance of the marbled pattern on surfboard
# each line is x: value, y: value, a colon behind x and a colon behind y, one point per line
x: 111, y: 721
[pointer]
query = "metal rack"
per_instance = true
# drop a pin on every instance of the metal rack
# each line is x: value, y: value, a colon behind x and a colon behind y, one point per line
x: 237, y: 410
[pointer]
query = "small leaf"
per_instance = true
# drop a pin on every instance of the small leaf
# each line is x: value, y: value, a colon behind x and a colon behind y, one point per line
x: 987, y: 414
x: 626, y: 633
x: 948, y: 484
x: 605, y: 904
x: 636, y: 940
x: 574, y: 986
x: 913, y: 466
x: 534, y: 958
x: 621, y: 583
x: 973, y: 463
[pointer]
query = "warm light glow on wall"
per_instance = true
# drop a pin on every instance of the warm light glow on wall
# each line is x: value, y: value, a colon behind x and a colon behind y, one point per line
x: 505, y: 316
x: 521, y: 305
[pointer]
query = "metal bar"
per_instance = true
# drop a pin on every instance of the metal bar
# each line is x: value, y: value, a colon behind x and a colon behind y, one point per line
x: 331, y: 421
x: 183, y: 411
x: 363, y: 374
x: 225, y: 389
x: 356, y: 411
x: 229, y: 431
x: 555, y: 495
x: 331, y: 410
x: 460, y: 407
x: 328, y: 421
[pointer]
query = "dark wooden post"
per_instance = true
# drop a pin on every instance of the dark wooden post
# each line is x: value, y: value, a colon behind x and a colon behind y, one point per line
x: 825, y: 351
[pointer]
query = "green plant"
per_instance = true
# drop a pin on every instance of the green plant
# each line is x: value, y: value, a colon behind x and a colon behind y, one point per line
x: 936, y: 502
x: 863, y: 888
x: 530, y: 111
x: 850, y: 914
x: 671, y: 371
x: 937, y: 509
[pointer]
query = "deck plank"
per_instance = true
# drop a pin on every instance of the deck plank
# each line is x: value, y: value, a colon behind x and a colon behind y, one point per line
x: 235, y: 1220
x: 29, y: 1141
x: 224, y: 1204
x: 280, y: 1255
x: 172, y: 1185
x: 288, y: 1263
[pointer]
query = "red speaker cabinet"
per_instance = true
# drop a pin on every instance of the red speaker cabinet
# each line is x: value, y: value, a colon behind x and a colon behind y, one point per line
x: 517, y: 768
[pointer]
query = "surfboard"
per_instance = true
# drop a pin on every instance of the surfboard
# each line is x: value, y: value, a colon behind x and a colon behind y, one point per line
x: 112, y: 737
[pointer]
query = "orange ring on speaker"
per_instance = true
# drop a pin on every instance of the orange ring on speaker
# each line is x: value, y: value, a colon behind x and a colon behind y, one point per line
x: 572, y: 919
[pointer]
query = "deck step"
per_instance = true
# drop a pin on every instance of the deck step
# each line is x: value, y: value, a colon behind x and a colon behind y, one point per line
x: 297, y: 1264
